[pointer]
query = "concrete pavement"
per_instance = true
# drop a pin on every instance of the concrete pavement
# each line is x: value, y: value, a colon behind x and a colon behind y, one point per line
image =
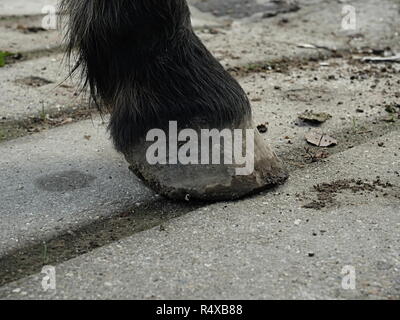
x: 68, y: 199
x: 267, y: 247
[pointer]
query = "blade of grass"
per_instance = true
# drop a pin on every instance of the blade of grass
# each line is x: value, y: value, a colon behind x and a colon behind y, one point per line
x: 3, y: 56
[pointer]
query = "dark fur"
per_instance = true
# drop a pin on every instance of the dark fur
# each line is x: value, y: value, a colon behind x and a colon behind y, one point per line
x: 144, y: 64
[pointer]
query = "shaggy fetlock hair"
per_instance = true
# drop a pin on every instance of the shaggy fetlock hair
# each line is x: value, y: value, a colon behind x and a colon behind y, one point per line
x: 143, y: 63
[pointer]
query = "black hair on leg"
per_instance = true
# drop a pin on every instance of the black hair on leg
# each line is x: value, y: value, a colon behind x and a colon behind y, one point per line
x: 143, y: 63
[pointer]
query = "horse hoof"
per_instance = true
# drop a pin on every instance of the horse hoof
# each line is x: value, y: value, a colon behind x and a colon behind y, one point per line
x: 144, y: 64
x: 207, y: 181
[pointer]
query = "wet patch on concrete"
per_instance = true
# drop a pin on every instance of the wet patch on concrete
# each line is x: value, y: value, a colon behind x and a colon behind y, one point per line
x: 64, y: 181
x: 74, y: 242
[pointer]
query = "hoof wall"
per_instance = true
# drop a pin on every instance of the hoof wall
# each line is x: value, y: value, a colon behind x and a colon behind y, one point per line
x: 209, y: 182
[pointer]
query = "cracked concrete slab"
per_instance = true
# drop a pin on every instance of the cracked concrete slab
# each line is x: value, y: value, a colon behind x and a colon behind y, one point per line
x: 293, y: 242
x: 355, y: 95
x: 266, y: 247
x: 289, y: 35
x: 49, y: 185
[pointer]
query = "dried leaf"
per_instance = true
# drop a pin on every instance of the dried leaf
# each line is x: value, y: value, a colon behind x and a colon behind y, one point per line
x: 319, y: 139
